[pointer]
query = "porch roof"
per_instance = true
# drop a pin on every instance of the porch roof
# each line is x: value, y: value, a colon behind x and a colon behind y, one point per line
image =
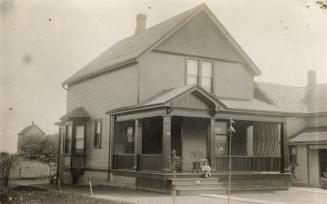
x: 317, y: 135
x: 79, y: 112
x: 250, y: 105
x: 163, y: 99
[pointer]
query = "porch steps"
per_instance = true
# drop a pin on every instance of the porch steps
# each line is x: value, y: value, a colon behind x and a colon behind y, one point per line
x: 194, y: 186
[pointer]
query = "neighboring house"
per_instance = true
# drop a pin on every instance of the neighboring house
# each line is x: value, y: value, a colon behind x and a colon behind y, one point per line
x: 30, y: 131
x: 307, y: 126
x: 173, y: 86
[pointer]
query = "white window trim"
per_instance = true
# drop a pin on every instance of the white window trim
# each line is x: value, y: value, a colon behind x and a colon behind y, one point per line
x: 199, y: 80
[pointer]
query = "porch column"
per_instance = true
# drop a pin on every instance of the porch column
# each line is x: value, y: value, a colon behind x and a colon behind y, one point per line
x: 166, y: 142
x: 211, y: 144
x: 137, y: 142
x: 284, y: 149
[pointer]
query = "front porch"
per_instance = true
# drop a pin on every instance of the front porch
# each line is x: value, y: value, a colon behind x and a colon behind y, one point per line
x: 194, y: 123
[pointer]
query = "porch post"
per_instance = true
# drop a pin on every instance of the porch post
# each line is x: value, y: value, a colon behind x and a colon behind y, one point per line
x: 211, y: 144
x: 284, y: 149
x: 166, y: 142
x: 137, y: 142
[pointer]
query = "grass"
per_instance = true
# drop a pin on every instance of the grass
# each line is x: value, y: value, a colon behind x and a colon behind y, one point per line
x: 25, y: 194
x: 30, y: 169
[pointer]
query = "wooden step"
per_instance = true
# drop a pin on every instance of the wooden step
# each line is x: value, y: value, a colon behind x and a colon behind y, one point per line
x: 195, y: 186
x: 202, y: 186
x: 184, y: 192
x: 193, y: 181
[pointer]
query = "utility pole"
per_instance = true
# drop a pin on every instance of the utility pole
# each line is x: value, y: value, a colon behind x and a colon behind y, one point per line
x: 231, y: 130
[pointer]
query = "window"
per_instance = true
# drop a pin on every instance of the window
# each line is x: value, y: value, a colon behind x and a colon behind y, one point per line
x: 199, y: 72
x: 79, y: 143
x: 192, y: 72
x: 221, y: 144
x: 130, y: 140
x: 68, y: 138
x: 293, y: 155
x: 98, y: 134
x: 206, y: 76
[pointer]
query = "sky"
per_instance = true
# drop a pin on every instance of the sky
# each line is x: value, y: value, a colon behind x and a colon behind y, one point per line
x: 43, y: 42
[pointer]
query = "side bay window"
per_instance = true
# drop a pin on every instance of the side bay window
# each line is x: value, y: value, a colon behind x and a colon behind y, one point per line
x: 199, y: 72
x: 79, y: 138
x: 68, y: 139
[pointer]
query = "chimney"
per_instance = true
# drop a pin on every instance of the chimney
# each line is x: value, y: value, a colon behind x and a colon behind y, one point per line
x: 311, y: 83
x: 140, y: 23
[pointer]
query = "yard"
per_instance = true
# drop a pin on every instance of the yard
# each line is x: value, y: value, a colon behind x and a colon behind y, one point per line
x: 30, y: 169
x: 25, y: 194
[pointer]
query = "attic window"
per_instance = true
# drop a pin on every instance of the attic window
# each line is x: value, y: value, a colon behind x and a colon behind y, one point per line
x: 199, y: 72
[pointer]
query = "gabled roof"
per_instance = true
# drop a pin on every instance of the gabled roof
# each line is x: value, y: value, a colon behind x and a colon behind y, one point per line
x: 287, y: 98
x: 30, y: 127
x: 310, y: 136
x: 75, y: 113
x: 291, y: 99
x: 129, y: 49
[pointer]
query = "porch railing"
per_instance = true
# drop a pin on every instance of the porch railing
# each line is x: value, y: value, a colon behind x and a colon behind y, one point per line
x: 123, y: 161
x: 248, y: 163
x: 151, y: 162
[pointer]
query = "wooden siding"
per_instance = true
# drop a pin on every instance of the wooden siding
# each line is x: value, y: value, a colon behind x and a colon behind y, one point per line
x: 98, y: 95
x: 194, y: 138
x: 295, y: 125
x: 160, y: 71
x: 190, y: 101
x: 201, y: 37
x: 316, y: 121
x: 232, y: 80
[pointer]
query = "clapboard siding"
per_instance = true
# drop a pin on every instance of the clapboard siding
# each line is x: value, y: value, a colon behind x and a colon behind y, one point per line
x: 233, y: 80
x: 160, y: 71
x: 98, y: 95
x: 190, y: 101
x: 194, y: 138
x: 201, y: 37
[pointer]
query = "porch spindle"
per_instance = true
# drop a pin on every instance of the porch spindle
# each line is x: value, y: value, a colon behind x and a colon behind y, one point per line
x: 166, y: 142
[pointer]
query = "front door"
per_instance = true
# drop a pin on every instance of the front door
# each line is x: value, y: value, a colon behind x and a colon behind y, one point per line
x: 194, y: 140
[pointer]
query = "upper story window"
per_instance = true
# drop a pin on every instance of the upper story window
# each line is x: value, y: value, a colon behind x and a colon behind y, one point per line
x: 98, y: 134
x: 199, y: 72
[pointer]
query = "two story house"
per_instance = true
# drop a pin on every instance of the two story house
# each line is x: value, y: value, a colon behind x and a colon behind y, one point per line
x: 174, y: 86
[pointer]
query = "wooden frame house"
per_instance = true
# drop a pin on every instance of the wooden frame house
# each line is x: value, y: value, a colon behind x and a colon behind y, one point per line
x: 173, y: 86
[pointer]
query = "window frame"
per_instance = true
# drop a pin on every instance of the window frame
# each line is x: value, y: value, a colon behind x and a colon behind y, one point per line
x: 78, y: 150
x: 199, y: 79
x: 291, y: 155
x: 97, y: 145
x: 222, y: 134
x: 69, y: 138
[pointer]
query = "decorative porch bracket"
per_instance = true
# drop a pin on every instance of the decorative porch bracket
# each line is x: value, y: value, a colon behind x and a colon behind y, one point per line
x: 166, y: 142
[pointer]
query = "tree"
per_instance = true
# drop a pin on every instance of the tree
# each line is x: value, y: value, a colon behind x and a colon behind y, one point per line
x: 40, y: 148
x: 50, y: 148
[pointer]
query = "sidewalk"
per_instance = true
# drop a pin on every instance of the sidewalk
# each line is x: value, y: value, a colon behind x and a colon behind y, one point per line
x: 295, y: 195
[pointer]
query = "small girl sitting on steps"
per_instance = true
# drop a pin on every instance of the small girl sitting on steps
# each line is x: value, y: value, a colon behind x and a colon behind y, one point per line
x: 206, y: 169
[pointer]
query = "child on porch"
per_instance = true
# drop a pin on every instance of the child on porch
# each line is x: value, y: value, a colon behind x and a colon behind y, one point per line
x: 206, y: 169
